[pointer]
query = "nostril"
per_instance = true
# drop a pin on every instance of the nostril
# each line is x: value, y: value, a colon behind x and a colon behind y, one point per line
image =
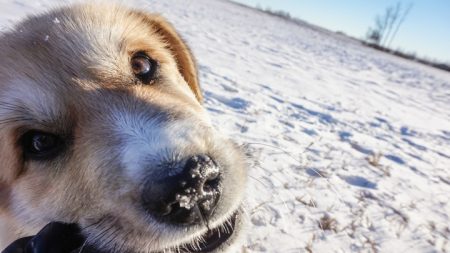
x: 187, y: 197
x: 211, y: 184
x: 201, y: 169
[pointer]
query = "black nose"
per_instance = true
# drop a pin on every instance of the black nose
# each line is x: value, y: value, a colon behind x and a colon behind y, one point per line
x: 187, y: 197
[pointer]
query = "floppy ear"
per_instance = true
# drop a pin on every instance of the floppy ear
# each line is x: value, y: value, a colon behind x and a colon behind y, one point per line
x: 183, y: 56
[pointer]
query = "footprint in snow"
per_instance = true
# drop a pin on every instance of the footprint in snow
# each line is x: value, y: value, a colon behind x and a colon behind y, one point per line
x: 395, y: 159
x: 359, y: 181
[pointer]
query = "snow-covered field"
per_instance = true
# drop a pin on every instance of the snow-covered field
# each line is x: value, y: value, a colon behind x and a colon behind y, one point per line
x: 351, y: 147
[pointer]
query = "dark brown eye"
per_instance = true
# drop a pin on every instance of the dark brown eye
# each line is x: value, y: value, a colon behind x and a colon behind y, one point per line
x: 143, y: 67
x: 39, y: 145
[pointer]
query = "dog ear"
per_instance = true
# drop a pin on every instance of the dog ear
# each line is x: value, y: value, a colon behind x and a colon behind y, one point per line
x: 183, y: 56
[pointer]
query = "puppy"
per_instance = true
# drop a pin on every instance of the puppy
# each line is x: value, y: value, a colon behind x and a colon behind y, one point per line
x: 102, y: 125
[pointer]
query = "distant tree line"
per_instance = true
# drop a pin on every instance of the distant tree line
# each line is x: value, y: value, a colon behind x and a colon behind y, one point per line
x: 380, y: 36
x: 387, y: 26
x: 279, y: 13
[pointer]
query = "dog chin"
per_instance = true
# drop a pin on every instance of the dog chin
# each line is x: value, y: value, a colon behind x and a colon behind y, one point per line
x: 221, y: 238
x: 218, y: 239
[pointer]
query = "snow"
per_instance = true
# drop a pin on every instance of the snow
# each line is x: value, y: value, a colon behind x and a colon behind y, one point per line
x: 350, y: 146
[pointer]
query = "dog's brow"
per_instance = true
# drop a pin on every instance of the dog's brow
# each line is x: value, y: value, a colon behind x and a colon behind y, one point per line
x: 18, y: 114
x: 25, y: 103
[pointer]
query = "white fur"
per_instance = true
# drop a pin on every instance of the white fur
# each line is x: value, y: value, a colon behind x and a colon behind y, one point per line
x: 24, y: 94
x: 151, y: 140
x: 92, y: 99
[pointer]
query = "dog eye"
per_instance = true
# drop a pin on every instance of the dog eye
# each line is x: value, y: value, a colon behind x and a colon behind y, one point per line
x: 38, y: 145
x: 143, y: 67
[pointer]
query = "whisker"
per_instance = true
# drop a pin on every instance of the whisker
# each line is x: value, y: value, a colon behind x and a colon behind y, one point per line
x: 205, y: 221
x: 281, y: 150
x: 112, y: 237
x: 95, y: 224
x: 82, y: 246
x: 100, y: 235
x: 124, y: 240
x: 258, y: 180
x: 335, y: 191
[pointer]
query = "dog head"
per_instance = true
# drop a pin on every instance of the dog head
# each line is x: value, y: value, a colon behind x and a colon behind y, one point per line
x: 102, y: 125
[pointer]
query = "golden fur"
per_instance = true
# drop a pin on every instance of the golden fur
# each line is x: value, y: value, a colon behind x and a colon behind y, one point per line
x: 67, y: 72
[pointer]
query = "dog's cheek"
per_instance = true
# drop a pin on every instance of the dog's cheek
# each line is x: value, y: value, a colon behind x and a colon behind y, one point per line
x: 41, y: 196
x: 10, y: 155
x: 234, y: 165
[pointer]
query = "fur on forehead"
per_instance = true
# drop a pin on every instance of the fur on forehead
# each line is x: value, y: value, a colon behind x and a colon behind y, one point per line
x: 84, y: 42
x: 95, y: 41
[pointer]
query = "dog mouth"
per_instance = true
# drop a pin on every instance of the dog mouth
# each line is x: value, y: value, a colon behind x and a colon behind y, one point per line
x: 213, y: 238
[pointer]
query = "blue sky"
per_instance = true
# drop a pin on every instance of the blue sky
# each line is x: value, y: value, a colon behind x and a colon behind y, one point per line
x: 425, y: 31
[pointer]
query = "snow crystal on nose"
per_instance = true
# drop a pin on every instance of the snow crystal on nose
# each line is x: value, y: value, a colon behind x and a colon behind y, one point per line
x: 187, y: 200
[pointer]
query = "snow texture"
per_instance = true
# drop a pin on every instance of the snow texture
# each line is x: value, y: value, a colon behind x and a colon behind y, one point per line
x: 350, y: 146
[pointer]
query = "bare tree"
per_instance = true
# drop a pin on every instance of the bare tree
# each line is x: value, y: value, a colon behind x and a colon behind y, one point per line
x: 376, y: 34
x: 383, y: 32
x: 400, y: 22
x: 373, y: 35
x: 391, y: 16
